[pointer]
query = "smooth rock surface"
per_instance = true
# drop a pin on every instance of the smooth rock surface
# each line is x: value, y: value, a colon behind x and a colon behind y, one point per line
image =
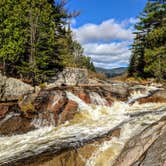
x: 140, y: 145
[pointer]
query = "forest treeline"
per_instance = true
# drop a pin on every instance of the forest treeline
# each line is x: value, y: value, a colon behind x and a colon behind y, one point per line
x: 36, y: 40
x: 149, y: 46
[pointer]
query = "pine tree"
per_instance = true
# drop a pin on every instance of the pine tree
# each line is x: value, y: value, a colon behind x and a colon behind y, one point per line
x: 34, y: 41
x: 30, y: 38
x: 149, y: 48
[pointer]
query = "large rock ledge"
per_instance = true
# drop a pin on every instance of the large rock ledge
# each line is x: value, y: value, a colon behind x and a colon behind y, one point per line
x: 156, y: 154
x: 145, y: 149
x: 47, y: 107
x: 70, y: 156
x: 12, y: 89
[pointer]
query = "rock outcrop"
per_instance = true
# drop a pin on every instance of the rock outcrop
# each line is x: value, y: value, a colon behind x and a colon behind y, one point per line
x: 157, y: 96
x: 119, y: 90
x: 70, y: 76
x: 23, y: 109
x: 12, y: 89
x: 138, y: 150
x: 48, y: 107
x: 70, y: 157
x: 156, y: 154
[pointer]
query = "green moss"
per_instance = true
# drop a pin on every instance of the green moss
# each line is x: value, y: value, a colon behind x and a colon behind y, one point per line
x: 43, y: 85
x: 28, y: 107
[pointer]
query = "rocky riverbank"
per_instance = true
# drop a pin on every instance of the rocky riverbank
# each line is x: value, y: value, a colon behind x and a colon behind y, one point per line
x: 90, y: 123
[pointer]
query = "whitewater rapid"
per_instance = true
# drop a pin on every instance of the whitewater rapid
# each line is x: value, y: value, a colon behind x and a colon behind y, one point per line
x: 90, y: 122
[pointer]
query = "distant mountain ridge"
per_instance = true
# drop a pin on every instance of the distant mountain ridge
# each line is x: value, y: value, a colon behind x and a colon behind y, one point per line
x: 112, y: 72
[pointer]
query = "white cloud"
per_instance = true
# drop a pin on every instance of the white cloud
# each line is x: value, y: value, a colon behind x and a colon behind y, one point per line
x: 106, y: 31
x: 108, y: 55
x: 107, y: 43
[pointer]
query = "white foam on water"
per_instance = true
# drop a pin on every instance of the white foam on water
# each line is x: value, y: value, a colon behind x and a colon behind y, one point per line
x: 81, y: 103
x: 114, y: 146
x: 98, y: 120
x: 145, y: 92
x: 97, y: 99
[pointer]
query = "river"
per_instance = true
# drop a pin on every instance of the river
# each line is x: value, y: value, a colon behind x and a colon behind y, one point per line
x: 91, y: 122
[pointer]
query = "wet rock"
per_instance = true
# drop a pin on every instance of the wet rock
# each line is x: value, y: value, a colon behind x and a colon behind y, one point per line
x: 160, y: 93
x: 156, y: 154
x: 15, y: 125
x: 83, y: 95
x: 95, y: 95
x: 155, y: 97
x: 12, y: 121
x: 69, y: 111
x: 4, y: 108
x: 140, y: 144
x: 118, y: 90
x: 72, y: 157
x: 49, y: 104
x: 152, y: 99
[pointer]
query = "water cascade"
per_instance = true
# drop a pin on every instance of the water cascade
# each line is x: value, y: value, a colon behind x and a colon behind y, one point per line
x: 90, y: 122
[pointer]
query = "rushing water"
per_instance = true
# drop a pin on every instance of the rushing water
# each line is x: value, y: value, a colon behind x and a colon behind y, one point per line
x: 91, y: 121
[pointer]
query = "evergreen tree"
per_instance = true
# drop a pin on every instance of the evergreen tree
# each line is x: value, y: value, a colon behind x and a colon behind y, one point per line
x: 30, y: 38
x: 149, y: 48
x: 34, y: 41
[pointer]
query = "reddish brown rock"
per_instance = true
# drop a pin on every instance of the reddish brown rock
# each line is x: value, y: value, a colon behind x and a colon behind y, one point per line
x: 56, y: 104
x: 15, y: 125
x: 84, y: 96
x: 69, y: 111
x: 152, y: 100
x: 5, y: 108
x: 109, y: 100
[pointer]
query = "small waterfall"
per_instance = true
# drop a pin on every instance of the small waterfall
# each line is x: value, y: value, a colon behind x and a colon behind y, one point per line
x: 42, y: 120
x: 96, y: 112
x: 46, y: 118
x: 97, y: 121
x: 97, y: 99
x: 81, y: 103
x: 145, y: 92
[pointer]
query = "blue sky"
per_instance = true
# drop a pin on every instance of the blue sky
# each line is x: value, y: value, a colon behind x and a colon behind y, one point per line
x: 104, y: 28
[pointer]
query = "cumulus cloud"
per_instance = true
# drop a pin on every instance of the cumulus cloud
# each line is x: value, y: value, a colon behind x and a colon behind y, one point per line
x: 108, y: 55
x: 107, y: 43
x: 106, y: 31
